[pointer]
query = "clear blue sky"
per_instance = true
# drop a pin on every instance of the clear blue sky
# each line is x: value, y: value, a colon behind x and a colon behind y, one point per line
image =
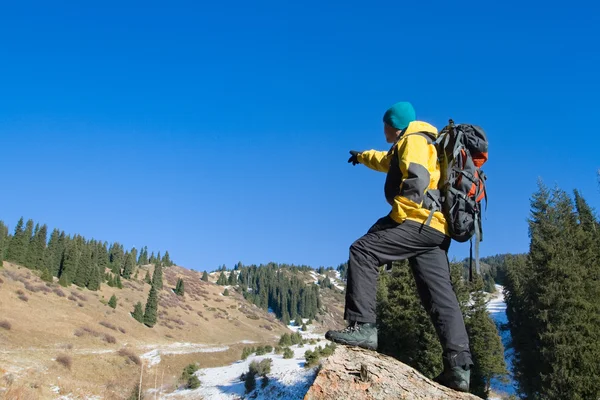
x: 220, y: 130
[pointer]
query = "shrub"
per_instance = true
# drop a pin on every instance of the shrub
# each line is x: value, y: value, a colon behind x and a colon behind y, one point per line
x: 130, y: 355
x: 285, y: 340
x: 23, y: 297
x: 193, y: 382
x: 288, y: 353
x: 278, y: 349
x: 260, y: 368
x: 260, y: 350
x: 64, y: 360
x: 20, y: 292
x: 72, y: 298
x: 108, y: 325
x: 268, y: 349
x: 110, y: 339
x: 5, y: 325
x: 122, y: 330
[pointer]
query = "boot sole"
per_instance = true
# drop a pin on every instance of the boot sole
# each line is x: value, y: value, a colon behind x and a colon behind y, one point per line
x: 364, y: 345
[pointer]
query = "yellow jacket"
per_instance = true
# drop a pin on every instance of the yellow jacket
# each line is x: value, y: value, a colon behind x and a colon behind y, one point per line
x: 413, y: 173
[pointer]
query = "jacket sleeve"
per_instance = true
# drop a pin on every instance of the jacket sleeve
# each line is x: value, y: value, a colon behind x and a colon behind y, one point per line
x: 413, y: 156
x: 377, y: 160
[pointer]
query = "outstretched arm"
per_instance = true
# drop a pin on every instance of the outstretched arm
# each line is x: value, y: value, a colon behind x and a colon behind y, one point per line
x: 377, y: 160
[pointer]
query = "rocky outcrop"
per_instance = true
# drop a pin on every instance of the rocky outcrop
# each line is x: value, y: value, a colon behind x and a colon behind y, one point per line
x: 353, y: 373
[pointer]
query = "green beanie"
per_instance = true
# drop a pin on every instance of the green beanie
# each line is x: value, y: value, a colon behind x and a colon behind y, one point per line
x: 400, y: 115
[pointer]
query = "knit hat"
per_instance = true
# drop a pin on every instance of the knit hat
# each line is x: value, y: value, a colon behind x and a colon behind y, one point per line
x: 400, y: 115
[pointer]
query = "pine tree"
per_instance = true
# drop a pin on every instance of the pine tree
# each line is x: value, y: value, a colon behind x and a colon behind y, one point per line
x: 226, y: 292
x: 52, y: 260
x: 150, y: 315
x: 85, y: 267
x: 406, y: 331
x: 550, y: 301
x: 17, y: 246
x: 157, y: 278
x: 46, y: 275
x: 118, y: 282
x: 205, y: 276
x: 152, y: 259
x: 3, y: 240
x: 143, y: 258
x: 70, y: 263
x: 167, y: 260
x: 485, y: 343
x: 116, y: 258
x: 27, y: 241
x: 158, y: 258
x: 180, y: 289
x: 222, y: 279
x: 103, y: 258
x: 147, y: 278
x: 113, y: 301
x: 134, y: 255
x: 129, y: 264
x: 232, y: 281
x: 138, y: 312
x: 37, y: 248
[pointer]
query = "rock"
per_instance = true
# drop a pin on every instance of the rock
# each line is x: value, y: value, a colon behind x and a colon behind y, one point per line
x: 354, y: 373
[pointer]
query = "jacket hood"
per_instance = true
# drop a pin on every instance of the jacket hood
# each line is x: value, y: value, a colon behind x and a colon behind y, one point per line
x: 420, y: 126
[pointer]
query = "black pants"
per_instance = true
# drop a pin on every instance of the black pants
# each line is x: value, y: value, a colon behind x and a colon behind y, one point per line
x: 427, y: 253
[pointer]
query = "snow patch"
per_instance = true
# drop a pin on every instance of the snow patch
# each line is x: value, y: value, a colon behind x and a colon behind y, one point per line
x: 496, y: 303
x: 152, y: 357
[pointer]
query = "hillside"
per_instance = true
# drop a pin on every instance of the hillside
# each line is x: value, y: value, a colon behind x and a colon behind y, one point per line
x: 100, y: 350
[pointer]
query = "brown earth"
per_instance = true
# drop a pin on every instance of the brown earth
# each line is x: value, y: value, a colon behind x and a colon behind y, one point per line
x: 41, y: 325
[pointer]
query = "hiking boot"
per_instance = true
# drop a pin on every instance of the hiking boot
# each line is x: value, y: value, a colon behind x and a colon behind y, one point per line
x: 356, y: 334
x: 456, y: 378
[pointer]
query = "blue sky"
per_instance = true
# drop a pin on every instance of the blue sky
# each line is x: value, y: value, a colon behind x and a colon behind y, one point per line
x: 220, y: 131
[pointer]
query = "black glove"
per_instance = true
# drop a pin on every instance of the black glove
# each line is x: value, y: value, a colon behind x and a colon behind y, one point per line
x: 354, y: 157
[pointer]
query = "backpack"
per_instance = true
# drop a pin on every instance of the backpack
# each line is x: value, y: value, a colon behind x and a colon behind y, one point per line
x: 462, y: 151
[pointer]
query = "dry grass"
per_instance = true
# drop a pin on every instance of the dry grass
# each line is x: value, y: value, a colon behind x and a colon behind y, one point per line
x: 64, y: 360
x: 130, y: 355
x: 5, y: 325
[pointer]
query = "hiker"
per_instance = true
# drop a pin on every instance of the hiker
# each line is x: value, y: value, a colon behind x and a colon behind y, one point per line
x: 410, y: 231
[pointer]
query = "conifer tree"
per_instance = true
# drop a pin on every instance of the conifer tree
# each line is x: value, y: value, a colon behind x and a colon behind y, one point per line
x: 17, y: 246
x: 226, y: 292
x: 158, y: 258
x: 84, y: 269
x: 128, y: 266
x: 103, y: 258
x: 37, y: 248
x: 232, y: 281
x: 46, y: 275
x: 485, y: 343
x: 138, y: 312
x: 52, y: 261
x: 116, y: 258
x: 143, y: 258
x: 113, y: 301
x: 31, y: 249
x: 118, y: 282
x: 27, y: 240
x: 167, y: 260
x: 551, y: 297
x: 180, y: 289
x: 157, y: 278
x: 134, y: 255
x: 3, y: 240
x: 205, y: 276
x: 147, y: 278
x: 222, y: 279
x: 150, y: 314
x: 152, y: 259
x: 70, y: 264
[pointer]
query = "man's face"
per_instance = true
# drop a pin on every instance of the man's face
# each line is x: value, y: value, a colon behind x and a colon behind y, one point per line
x: 391, y: 133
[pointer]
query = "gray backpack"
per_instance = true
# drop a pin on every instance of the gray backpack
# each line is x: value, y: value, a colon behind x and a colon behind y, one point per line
x: 462, y: 151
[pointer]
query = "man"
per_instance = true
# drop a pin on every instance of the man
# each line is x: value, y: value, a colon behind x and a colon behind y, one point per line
x: 410, y: 231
